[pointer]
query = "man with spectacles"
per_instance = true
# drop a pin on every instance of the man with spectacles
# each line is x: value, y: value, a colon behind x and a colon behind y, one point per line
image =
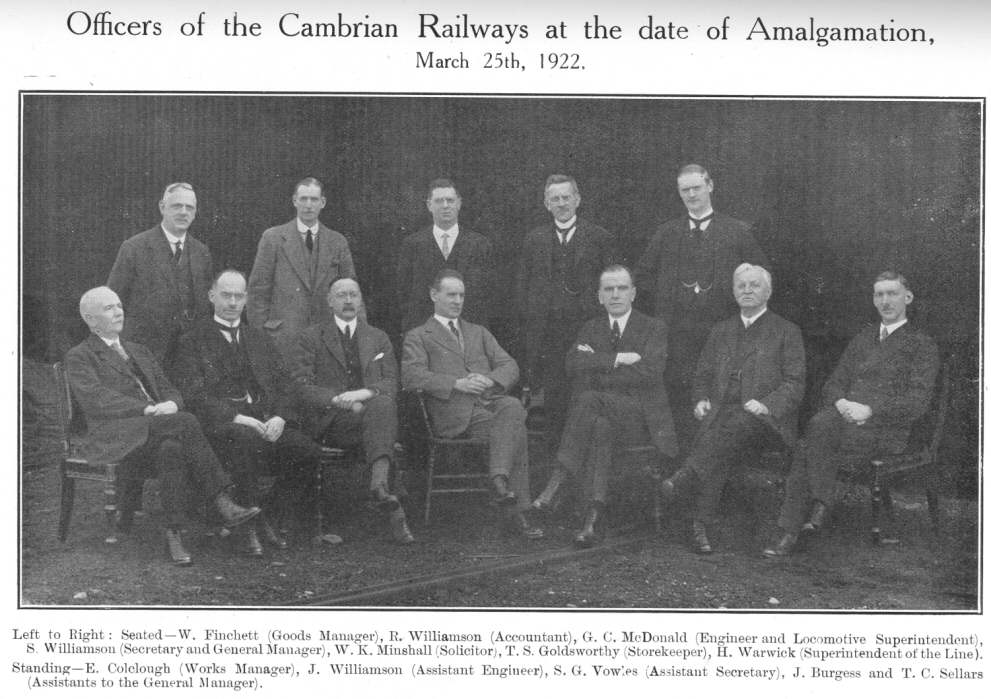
x: 162, y: 276
x: 347, y: 377
x: 234, y: 380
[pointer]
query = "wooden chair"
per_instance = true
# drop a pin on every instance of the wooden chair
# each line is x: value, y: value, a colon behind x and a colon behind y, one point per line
x: 126, y: 477
x: 881, y: 472
x: 451, y: 465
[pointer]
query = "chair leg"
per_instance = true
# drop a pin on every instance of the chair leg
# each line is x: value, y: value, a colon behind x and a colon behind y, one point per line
x: 932, y: 498
x: 430, y: 486
x: 876, y: 513
x: 110, y: 511
x: 318, y: 502
x: 68, y: 496
x: 889, y: 506
x: 131, y: 492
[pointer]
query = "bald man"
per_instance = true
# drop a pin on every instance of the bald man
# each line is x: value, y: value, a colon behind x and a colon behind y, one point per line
x: 131, y: 410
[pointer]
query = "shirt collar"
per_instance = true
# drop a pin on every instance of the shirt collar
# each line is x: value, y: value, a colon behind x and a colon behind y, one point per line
x: 221, y: 321
x: 452, y: 232
x: 173, y: 239
x: 622, y: 321
x: 891, y: 328
x: 109, y: 342
x: 567, y: 224
x: 341, y: 324
x: 301, y: 227
x: 444, y: 321
x: 747, y: 322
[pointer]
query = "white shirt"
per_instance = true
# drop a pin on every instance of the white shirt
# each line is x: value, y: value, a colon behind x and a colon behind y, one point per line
x: 173, y: 239
x: 622, y: 321
x: 704, y: 224
x: 891, y: 328
x: 229, y: 336
x: 444, y: 321
x: 301, y: 227
x: 568, y: 225
x: 747, y: 322
x: 452, y: 235
x: 352, y: 324
x: 110, y: 342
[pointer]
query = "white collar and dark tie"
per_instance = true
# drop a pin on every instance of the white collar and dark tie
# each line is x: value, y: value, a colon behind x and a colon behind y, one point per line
x: 886, y: 330
x: 229, y: 331
x: 621, y: 321
x: 701, y: 223
x: 747, y: 322
x: 566, y: 230
x: 115, y: 345
x: 348, y: 328
x: 453, y: 326
x: 176, y: 243
x: 445, y: 239
x: 308, y: 233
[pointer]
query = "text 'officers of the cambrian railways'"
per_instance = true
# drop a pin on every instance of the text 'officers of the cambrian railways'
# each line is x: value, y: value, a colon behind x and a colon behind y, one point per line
x: 688, y: 268
x: 347, y: 373
x: 162, y: 276
x: 294, y: 266
x: 132, y: 411
x: 556, y: 290
x: 748, y: 385
x: 464, y: 375
x: 444, y: 245
x: 234, y: 380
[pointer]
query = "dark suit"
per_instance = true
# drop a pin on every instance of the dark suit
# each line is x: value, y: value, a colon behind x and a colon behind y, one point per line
x: 161, y: 299
x: 676, y: 259
x: 109, y: 392
x: 615, y: 405
x: 895, y: 378
x: 419, y: 262
x: 214, y: 379
x: 320, y: 367
x: 765, y: 363
x: 433, y: 360
x: 556, y: 293
x: 287, y: 289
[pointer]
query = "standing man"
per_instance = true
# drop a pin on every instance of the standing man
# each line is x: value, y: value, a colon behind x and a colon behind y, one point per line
x: 556, y: 290
x: 131, y: 409
x: 294, y: 266
x: 691, y: 261
x: 617, y: 364
x: 443, y: 246
x: 748, y: 385
x: 347, y: 374
x: 234, y: 381
x: 162, y: 276
x: 465, y: 374
x: 882, y: 384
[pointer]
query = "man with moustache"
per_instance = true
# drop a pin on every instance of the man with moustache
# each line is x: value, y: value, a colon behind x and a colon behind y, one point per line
x: 556, y: 294
x: 444, y: 245
x: 162, y: 276
x: 347, y: 376
x: 293, y: 269
x: 881, y: 386
x: 690, y: 261
x: 132, y: 412
x: 235, y: 382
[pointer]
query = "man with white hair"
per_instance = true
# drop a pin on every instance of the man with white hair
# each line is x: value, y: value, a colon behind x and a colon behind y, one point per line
x: 748, y: 384
x: 130, y: 407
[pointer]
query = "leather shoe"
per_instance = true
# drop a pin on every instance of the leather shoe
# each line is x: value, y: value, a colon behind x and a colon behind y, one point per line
x: 271, y: 535
x: 817, y: 518
x: 250, y: 545
x: 382, y: 500
x: 680, y: 482
x: 784, y: 547
x: 700, y: 540
x: 549, y: 500
x: 503, y: 495
x: 399, y: 528
x: 173, y: 546
x: 588, y: 536
x: 232, y: 513
x: 517, y: 524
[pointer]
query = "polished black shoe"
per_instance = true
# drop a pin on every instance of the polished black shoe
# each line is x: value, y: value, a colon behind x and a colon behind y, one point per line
x: 232, y: 513
x: 785, y: 546
x: 501, y: 492
x: 517, y: 524
x: 398, y: 527
x: 173, y: 546
x: 700, y: 540
x: 817, y: 518
x: 591, y: 531
x: 677, y: 485
x: 549, y: 500
x: 271, y: 535
x: 249, y: 545
x: 381, y: 499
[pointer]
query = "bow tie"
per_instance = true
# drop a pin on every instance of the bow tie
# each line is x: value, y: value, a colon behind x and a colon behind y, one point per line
x: 695, y: 223
x: 232, y: 331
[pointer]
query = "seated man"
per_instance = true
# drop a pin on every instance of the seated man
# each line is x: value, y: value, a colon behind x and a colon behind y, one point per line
x: 465, y: 374
x: 130, y: 407
x: 748, y: 385
x: 617, y: 368
x: 346, y: 371
x: 882, y: 384
x: 234, y: 381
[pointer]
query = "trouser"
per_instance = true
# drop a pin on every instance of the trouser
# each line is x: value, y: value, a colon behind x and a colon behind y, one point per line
x: 597, y: 423
x: 374, y: 429
x: 547, y: 368
x: 502, y: 421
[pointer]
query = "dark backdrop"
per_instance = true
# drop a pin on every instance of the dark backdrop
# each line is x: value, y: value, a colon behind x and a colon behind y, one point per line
x: 837, y: 190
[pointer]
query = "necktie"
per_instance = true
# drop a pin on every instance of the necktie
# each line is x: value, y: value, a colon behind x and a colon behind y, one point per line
x: 562, y: 234
x: 177, y: 254
x: 231, y: 332
x: 616, y: 335
x: 457, y: 335
x: 309, y: 240
x: 696, y: 223
x: 445, y: 249
x: 347, y: 333
x: 884, y: 333
x: 119, y: 350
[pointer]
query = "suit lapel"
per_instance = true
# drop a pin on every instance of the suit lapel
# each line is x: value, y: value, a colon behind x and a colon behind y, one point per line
x: 332, y: 341
x: 109, y: 356
x: 324, y: 261
x: 161, y: 252
x: 292, y: 245
x: 365, y: 347
x: 443, y: 335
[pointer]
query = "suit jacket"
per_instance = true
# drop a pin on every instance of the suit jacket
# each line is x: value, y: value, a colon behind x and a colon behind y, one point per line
x: 419, y: 261
x: 643, y: 381
x: 772, y: 372
x: 734, y: 245
x: 107, y: 392
x: 433, y: 361
x: 320, y: 368
x: 283, y: 297
x: 143, y: 277
x: 205, y: 364
x: 895, y: 378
